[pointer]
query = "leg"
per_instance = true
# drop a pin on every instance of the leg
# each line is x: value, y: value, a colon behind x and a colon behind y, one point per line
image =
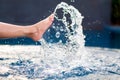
x: 41, y: 27
x: 33, y: 31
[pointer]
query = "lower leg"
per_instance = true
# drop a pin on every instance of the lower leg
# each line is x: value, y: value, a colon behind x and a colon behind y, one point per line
x: 33, y: 31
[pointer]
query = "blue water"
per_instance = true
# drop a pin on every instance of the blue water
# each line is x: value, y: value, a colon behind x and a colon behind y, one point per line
x: 101, y: 64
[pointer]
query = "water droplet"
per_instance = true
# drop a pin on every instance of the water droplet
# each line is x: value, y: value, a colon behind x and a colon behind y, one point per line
x: 54, y: 27
x: 72, y: 0
x: 61, y: 28
x: 48, y: 30
x: 57, y: 35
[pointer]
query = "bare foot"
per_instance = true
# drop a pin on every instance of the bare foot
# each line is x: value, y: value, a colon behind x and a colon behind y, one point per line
x: 37, y: 30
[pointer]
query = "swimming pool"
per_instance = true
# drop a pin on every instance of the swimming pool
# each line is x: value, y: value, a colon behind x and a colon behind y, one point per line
x: 24, y: 63
x: 61, y: 55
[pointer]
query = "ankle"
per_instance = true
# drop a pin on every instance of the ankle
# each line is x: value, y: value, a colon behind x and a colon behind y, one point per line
x: 29, y: 30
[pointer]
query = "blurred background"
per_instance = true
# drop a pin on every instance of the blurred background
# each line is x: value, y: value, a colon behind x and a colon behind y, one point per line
x: 101, y: 24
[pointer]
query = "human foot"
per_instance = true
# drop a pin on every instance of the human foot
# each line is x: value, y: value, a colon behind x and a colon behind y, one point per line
x: 37, y: 30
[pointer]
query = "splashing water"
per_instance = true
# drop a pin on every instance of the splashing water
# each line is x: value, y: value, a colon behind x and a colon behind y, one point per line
x: 67, y: 52
x: 71, y: 19
x: 62, y: 54
x: 68, y: 21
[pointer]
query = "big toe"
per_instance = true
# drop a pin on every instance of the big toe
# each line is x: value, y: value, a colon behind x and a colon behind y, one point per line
x: 51, y: 17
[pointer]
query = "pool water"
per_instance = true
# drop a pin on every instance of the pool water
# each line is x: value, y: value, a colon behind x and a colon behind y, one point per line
x: 24, y: 63
x: 61, y: 55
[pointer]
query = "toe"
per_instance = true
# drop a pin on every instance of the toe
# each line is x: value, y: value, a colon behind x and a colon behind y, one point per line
x: 51, y: 17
